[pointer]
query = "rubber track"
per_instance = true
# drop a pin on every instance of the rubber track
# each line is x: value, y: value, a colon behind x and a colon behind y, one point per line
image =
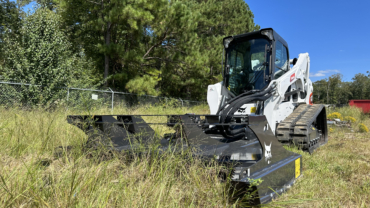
x: 287, y: 126
x: 295, y: 128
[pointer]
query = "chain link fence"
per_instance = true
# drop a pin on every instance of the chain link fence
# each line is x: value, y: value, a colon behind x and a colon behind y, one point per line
x: 29, y: 95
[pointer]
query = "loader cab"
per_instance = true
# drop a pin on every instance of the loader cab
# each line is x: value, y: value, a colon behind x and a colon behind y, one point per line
x: 253, y: 59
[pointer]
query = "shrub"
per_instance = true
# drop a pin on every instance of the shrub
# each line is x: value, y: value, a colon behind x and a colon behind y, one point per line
x: 354, y: 112
x: 335, y: 115
x: 43, y: 55
x: 363, y: 128
x: 350, y: 119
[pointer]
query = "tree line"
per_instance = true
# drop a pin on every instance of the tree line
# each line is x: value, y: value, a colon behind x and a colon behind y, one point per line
x: 334, y: 90
x: 157, y: 47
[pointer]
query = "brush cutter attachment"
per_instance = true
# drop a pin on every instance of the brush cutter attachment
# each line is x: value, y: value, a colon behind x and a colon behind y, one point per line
x: 246, y: 143
x: 119, y: 132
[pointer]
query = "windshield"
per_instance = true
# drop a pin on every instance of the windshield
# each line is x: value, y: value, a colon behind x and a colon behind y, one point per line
x: 247, y: 65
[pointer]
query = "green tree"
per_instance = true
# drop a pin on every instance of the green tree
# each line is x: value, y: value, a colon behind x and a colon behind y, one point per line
x: 218, y: 20
x: 334, y: 89
x: 360, y: 86
x: 42, y: 56
x: 345, y: 92
x: 10, y: 20
x: 110, y: 31
x: 172, y: 48
x: 331, y: 90
x: 165, y: 45
x: 320, y: 91
x: 187, y: 54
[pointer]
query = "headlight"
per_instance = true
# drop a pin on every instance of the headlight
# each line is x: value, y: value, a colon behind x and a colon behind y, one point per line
x: 227, y: 41
x: 268, y: 33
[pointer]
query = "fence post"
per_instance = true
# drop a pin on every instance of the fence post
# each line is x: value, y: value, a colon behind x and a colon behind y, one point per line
x: 112, y: 97
x: 182, y: 102
x: 67, y: 97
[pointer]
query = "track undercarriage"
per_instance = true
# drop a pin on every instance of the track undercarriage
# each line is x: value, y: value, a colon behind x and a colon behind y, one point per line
x: 306, y: 127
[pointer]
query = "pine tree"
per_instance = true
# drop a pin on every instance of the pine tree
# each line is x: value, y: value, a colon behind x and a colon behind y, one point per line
x: 171, y: 48
x: 110, y: 31
x: 215, y: 20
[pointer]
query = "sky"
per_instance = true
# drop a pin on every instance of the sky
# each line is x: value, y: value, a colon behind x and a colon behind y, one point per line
x: 335, y: 33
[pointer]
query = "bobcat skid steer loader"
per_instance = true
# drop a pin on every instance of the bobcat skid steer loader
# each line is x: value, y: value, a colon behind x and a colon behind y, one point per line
x: 262, y: 104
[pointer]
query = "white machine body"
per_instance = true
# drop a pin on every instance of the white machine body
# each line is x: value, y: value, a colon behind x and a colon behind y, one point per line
x: 278, y: 106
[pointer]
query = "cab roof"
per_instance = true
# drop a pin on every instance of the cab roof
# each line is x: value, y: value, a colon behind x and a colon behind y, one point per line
x: 257, y: 33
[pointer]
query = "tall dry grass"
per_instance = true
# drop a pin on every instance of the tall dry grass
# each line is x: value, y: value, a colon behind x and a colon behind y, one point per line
x: 31, y: 176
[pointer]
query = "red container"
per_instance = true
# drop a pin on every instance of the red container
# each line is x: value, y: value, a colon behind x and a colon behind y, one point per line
x: 363, y: 104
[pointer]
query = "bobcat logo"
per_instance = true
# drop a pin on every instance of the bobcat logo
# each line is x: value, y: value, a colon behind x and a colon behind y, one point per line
x: 241, y: 110
x: 268, y: 154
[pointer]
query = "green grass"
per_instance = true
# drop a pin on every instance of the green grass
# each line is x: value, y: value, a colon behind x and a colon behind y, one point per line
x: 337, y: 174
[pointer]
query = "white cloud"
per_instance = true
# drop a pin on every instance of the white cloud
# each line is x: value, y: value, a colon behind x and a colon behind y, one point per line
x: 317, y: 75
x: 323, y: 73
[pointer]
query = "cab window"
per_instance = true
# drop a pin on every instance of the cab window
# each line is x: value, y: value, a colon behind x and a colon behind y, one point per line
x: 281, y: 60
x: 246, y: 59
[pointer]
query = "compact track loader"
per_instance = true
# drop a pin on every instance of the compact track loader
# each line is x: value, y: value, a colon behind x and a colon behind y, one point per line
x: 262, y: 104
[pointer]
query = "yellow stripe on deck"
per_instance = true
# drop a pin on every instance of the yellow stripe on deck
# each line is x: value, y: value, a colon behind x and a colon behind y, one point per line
x: 297, y: 167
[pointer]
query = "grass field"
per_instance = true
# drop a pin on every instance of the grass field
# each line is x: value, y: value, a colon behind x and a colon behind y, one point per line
x: 336, y: 175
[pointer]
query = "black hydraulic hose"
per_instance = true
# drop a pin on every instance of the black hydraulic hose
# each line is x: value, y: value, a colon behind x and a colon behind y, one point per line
x: 234, y: 105
x: 242, y: 97
x: 234, y: 134
x: 227, y: 132
x: 237, y: 97
x: 259, y: 93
